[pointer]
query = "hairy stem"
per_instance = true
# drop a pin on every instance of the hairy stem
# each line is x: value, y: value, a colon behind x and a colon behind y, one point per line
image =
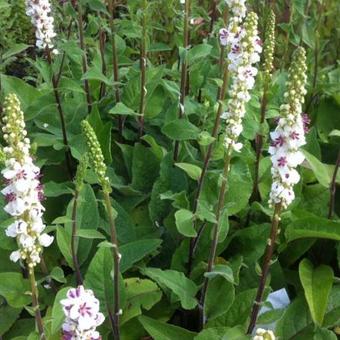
x: 143, y: 64
x: 215, y: 232
x: 332, y: 188
x: 265, y: 267
x: 74, y: 239
x: 112, y: 11
x: 35, y: 305
x: 116, y: 257
x: 68, y: 156
x: 207, y: 159
x: 184, y: 71
x: 83, y: 47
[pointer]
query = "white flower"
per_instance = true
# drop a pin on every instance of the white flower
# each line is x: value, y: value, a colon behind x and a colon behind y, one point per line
x: 15, y: 256
x: 81, y: 309
x: 263, y: 334
x: 39, y: 11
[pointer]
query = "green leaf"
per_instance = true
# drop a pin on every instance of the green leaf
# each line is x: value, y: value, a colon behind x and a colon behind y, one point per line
x: 192, y: 170
x: 177, y: 282
x: 96, y: 74
x: 16, y: 49
x: 135, y: 251
x: 313, y: 227
x: 14, y: 288
x: 185, y: 223
x: 139, y: 294
x: 222, y: 333
x: 317, y: 284
x: 324, y: 334
x: 319, y: 169
x: 218, y: 290
x: 122, y: 109
x: 180, y: 129
x: 221, y: 270
x: 163, y: 331
x: 58, y: 275
x: 198, y: 52
x: 90, y: 234
x: 8, y: 317
x: 58, y: 315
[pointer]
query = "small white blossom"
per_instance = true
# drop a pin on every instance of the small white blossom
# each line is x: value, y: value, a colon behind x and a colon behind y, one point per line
x: 23, y: 191
x: 40, y: 13
x: 81, y: 309
x: 289, y: 135
x: 263, y: 334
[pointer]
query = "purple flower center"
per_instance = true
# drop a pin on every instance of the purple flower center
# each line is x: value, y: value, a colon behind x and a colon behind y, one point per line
x: 10, y: 197
x: 83, y: 310
x: 279, y: 141
x: 294, y: 135
x: 306, y: 122
x: 282, y: 161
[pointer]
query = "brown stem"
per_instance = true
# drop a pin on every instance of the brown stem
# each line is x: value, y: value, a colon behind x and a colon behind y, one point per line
x: 213, y: 15
x: 116, y: 257
x: 142, y: 65
x: 214, y: 243
x: 68, y: 156
x: 207, y: 160
x: 35, y: 305
x: 112, y: 10
x: 184, y: 71
x: 83, y: 47
x: 265, y: 267
x: 74, y: 239
x: 102, y: 38
x: 259, y: 142
x: 332, y: 188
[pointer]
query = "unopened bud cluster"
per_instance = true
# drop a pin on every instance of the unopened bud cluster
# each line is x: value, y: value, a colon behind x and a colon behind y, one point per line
x: 81, y: 309
x: 96, y: 155
x: 289, y: 134
x: 23, y: 191
x: 269, y: 45
x: 243, y: 81
x: 263, y: 334
x: 40, y: 13
x: 81, y: 172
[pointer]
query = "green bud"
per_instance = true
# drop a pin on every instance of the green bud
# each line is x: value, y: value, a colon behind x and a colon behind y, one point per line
x: 96, y: 155
x: 269, y: 45
x: 81, y: 172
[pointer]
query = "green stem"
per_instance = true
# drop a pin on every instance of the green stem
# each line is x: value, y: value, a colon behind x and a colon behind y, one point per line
x: 265, y: 267
x: 184, y: 71
x: 215, y: 231
x: 116, y: 258
x: 35, y: 304
x: 332, y: 188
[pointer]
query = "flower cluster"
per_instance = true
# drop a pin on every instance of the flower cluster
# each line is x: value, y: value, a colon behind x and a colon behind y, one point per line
x: 39, y: 11
x: 263, y: 334
x: 81, y: 309
x: 96, y: 155
x: 23, y: 191
x: 269, y: 45
x: 289, y: 134
x: 243, y: 81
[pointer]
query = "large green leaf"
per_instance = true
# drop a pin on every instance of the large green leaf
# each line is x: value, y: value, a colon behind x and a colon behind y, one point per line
x: 8, y: 317
x: 177, y: 282
x: 14, y: 288
x: 58, y: 315
x: 313, y: 227
x: 192, y: 170
x: 163, y: 331
x: 185, y: 223
x: 222, y: 333
x: 139, y: 294
x: 317, y: 284
x: 180, y: 129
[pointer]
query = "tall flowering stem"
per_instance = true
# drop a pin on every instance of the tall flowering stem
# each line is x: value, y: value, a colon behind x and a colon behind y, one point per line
x: 143, y: 64
x: 229, y: 39
x: 287, y: 139
x: 97, y: 162
x: 268, y: 56
x: 40, y: 13
x: 23, y: 193
x: 82, y: 315
x: 243, y: 81
x: 84, y: 58
x: 184, y: 69
x: 112, y: 11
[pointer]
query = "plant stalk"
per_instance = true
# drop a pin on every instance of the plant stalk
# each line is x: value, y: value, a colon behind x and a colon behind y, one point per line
x: 74, y: 239
x: 83, y: 47
x: 112, y: 11
x: 214, y: 243
x: 35, y: 304
x: 102, y: 38
x: 143, y: 64
x: 265, y: 267
x: 184, y: 71
x: 207, y: 158
x: 68, y: 156
x: 332, y: 188
x: 116, y: 258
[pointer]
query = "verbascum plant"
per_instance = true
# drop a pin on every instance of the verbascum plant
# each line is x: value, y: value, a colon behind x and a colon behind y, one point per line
x: 286, y: 155
x: 23, y: 193
x: 263, y: 334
